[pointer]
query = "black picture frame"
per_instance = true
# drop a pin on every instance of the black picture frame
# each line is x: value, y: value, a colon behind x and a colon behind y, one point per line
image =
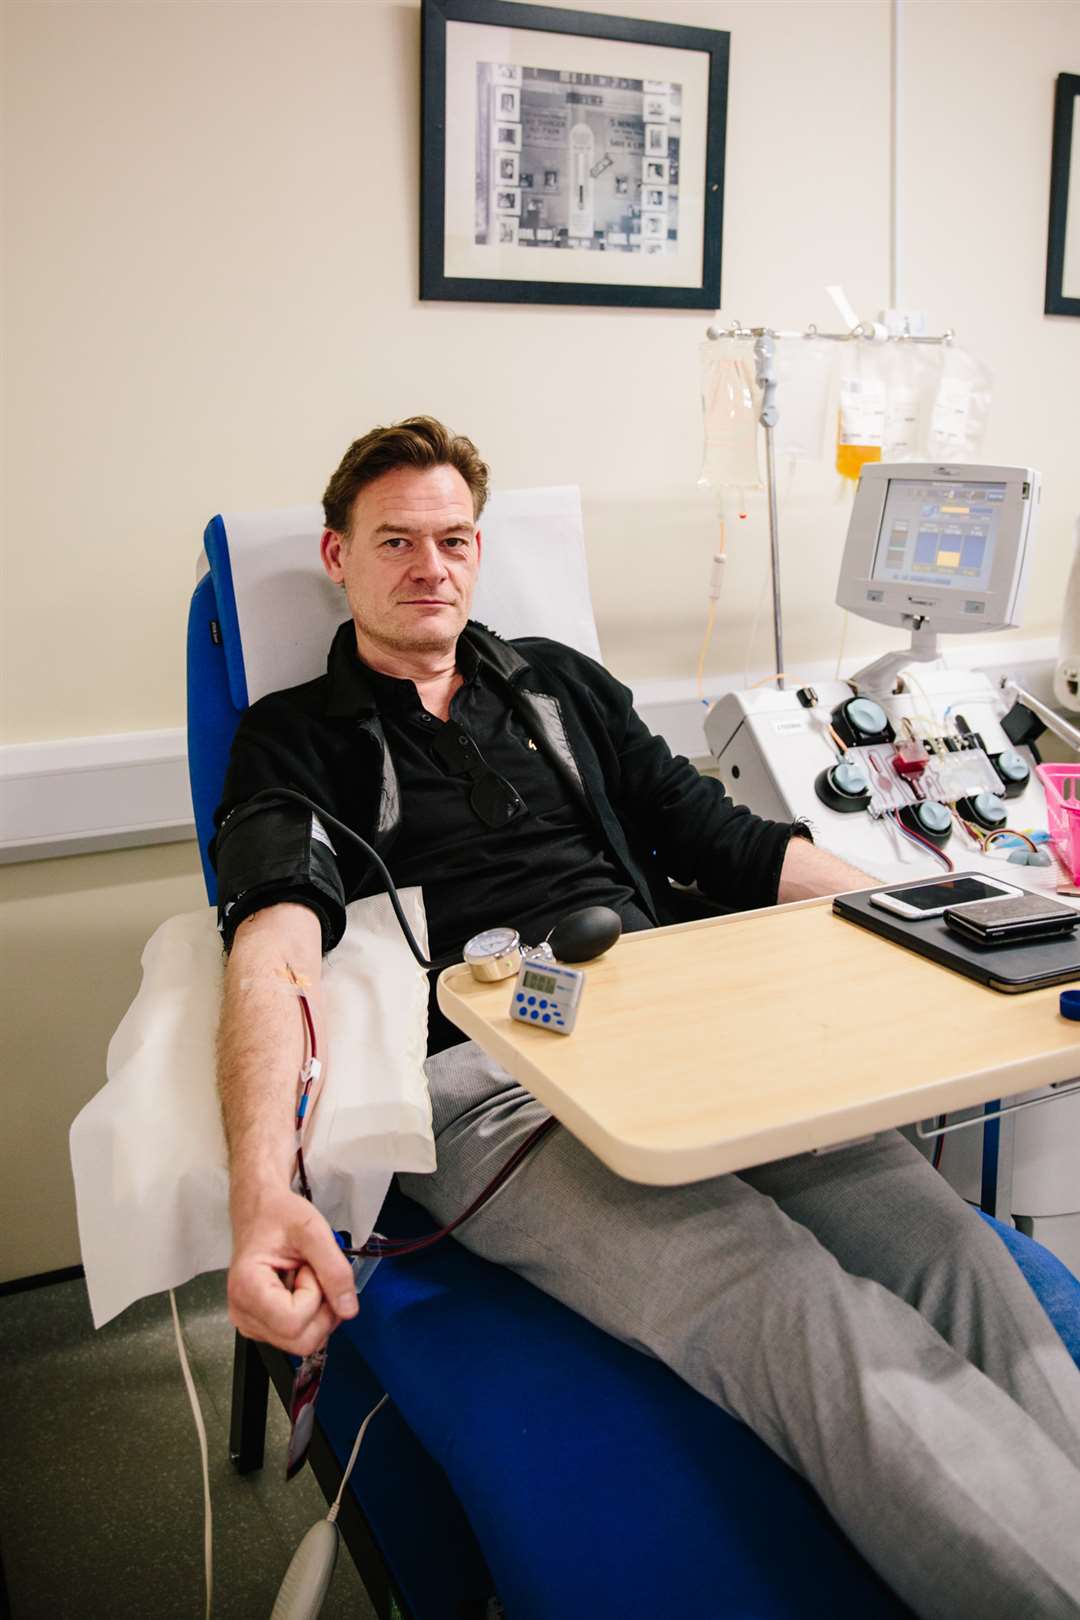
x: 436, y: 283
x: 1066, y: 93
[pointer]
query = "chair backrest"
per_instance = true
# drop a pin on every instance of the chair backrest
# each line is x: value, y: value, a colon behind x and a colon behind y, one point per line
x: 264, y: 612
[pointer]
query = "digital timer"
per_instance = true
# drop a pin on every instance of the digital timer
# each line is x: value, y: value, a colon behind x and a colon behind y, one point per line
x: 547, y: 996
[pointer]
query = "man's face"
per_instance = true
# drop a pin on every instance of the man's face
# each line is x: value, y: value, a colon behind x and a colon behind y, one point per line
x: 409, y: 561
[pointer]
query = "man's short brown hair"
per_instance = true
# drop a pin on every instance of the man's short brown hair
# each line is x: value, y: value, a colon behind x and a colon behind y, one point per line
x: 419, y: 441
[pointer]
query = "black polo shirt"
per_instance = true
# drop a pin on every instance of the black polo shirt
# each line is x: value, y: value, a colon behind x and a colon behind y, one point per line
x: 606, y: 813
x: 547, y: 860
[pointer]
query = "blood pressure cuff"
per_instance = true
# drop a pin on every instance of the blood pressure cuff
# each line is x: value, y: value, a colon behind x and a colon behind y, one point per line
x: 268, y: 853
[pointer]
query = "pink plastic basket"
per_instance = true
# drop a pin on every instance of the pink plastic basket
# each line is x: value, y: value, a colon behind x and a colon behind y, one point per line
x: 1062, y: 786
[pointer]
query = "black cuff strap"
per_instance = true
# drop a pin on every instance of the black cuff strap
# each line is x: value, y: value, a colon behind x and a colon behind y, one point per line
x: 267, y: 853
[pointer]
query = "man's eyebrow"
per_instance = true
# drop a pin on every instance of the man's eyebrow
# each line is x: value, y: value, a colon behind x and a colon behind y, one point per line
x: 406, y: 528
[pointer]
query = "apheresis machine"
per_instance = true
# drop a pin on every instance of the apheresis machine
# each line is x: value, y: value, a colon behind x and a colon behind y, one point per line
x: 909, y: 771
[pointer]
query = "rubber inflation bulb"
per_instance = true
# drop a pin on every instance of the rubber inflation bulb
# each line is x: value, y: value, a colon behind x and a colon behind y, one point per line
x: 1019, y: 857
x: 585, y: 934
x: 308, y: 1576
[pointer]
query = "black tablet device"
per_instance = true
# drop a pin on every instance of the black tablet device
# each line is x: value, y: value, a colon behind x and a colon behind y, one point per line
x: 1010, y: 967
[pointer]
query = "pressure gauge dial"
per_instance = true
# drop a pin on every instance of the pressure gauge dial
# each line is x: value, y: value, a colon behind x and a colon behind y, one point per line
x: 494, y: 954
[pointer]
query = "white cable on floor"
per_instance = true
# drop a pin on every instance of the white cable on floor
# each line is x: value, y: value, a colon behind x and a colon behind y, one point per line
x: 308, y: 1576
x: 208, y: 1522
x: 336, y: 1508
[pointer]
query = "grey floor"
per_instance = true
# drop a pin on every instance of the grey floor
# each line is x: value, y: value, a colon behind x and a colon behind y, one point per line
x: 100, y: 1484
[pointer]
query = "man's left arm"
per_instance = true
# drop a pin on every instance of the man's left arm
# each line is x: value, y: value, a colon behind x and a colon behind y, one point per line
x: 697, y: 832
x: 808, y: 871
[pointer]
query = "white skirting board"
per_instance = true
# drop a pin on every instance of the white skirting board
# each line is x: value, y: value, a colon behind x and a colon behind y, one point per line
x: 95, y: 793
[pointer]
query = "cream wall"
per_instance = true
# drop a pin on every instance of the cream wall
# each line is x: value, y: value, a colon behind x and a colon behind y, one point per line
x: 212, y: 286
x: 210, y: 277
x: 71, y: 934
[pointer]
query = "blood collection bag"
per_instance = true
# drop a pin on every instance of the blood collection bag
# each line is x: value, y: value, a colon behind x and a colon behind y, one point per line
x: 961, y: 407
x: 912, y: 372
x: 731, y: 402
x: 860, y: 427
x: 803, y: 378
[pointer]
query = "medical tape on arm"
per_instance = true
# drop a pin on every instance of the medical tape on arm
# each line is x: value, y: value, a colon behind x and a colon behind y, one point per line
x: 300, y: 986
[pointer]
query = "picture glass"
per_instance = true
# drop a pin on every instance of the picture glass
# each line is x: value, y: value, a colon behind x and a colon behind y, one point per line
x: 571, y: 159
x: 1070, y: 278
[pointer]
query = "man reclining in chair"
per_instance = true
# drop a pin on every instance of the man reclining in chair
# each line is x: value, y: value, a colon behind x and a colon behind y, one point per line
x: 850, y: 1308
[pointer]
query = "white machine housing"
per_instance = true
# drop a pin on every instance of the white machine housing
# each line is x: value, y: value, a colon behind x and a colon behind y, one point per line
x: 963, y: 567
x: 931, y: 548
x: 769, y: 751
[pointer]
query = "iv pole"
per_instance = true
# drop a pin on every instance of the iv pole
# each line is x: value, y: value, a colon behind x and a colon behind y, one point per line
x: 765, y: 375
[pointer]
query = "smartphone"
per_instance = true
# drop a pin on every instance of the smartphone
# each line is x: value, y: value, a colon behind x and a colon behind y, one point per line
x: 918, y: 900
x: 1009, y: 922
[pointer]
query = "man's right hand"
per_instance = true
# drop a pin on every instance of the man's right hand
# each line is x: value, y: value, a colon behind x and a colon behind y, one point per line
x: 289, y: 1283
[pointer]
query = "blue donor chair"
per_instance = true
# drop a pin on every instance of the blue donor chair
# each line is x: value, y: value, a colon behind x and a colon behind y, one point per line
x: 523, y: 1453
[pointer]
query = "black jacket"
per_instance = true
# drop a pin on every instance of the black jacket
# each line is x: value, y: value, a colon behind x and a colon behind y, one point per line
x: 658, y: 817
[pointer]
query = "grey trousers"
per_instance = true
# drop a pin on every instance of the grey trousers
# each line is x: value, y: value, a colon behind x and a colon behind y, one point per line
x: 848, y: 1307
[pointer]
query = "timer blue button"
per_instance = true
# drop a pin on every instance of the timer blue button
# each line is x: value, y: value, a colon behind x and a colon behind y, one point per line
x: 534, y: 1015
x: 543, y: 1004
x: 546, y: 1018
x: 520, y: 997
x: 532, y: 1001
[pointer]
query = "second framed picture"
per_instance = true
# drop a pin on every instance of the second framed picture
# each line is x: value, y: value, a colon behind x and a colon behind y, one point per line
x: 570, y: 158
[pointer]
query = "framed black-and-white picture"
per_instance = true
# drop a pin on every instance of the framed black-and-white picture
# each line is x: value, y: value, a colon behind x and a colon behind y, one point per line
x: 1063, y: 245
x: 570, y: 157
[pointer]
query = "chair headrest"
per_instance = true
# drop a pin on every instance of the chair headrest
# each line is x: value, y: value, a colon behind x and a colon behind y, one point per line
x: 279, y: 610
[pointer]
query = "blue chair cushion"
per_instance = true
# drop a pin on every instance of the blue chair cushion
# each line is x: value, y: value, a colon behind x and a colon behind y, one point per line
x: 1057, y: 1289
x: 597, y: 1483
x: 212, y: 717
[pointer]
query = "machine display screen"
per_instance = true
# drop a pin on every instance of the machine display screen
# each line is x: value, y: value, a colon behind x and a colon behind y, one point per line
x: 544, y: 982
x: 938, y: 533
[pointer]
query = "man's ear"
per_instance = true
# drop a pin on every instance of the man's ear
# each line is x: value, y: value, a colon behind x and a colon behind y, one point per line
x: 330, y: 549
x: 479, y: 544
